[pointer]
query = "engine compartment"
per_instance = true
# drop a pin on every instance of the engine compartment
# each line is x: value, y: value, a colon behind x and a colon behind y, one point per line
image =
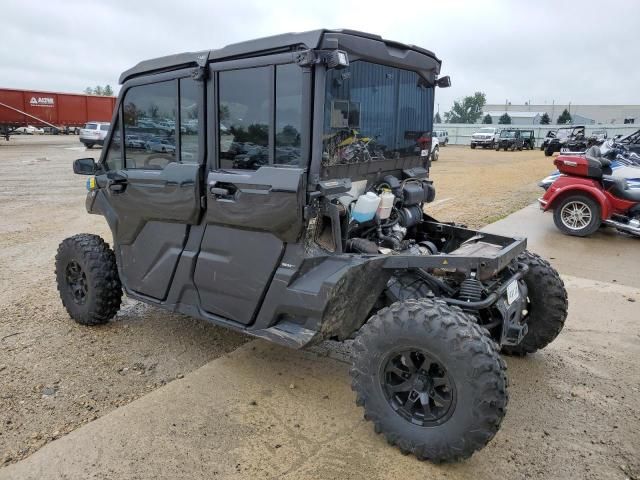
x: 385, y: 220
x: 385, y: 217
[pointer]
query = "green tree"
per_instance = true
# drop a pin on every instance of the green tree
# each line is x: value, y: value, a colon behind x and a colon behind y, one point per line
x: 505, y: 119
x: 487, y: 119
x: 98, y: 90
x: 437, y: 118
x: 544, y: 119
x: 88, y: 91
x: 565, y: 117
x: 467, y: 110
x: 107, y: 91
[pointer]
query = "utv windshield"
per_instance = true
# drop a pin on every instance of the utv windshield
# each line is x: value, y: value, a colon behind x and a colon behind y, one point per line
x: 375, y: 112
x: 507, y: 134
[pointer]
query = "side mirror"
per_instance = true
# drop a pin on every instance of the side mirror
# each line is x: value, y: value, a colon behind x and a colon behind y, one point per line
x: 444, y: 82
x: 85, y: 166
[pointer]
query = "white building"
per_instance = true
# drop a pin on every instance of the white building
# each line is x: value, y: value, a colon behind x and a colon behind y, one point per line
x: 581, y: 114
x: 517, y: 117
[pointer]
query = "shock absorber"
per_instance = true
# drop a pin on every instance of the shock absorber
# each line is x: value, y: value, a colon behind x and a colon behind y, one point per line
x: 470, y: 290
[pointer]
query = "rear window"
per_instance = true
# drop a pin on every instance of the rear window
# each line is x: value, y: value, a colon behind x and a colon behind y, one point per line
x: 104, y: 128
x: 91, y: 126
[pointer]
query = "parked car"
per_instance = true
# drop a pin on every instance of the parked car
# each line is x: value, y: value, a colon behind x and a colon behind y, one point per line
x: 29, y: 130
x: 570, y: 138
x: 528, y: 139
x: 486, y: 137
x: 509, y: 139
x: 442, y: 136
x: 161, y: 144
x: 135, y: 141
x: 94, y: 133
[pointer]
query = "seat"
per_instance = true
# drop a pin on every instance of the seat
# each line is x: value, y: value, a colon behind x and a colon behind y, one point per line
x: 595, y: 155
x: 620, y: 188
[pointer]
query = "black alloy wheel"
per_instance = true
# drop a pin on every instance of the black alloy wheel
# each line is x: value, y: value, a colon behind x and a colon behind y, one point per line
x: 76, y: 282
x: 418, y: 388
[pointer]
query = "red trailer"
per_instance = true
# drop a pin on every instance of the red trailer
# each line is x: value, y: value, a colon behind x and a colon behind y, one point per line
x: 51, y: 109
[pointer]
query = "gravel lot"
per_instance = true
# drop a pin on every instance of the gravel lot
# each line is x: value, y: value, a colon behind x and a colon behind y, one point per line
x: 56, y: 375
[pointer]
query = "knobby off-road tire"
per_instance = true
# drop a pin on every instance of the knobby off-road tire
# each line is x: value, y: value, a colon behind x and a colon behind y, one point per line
x: 88, y: 280
x: 547, y: 306
x: 464, y: 384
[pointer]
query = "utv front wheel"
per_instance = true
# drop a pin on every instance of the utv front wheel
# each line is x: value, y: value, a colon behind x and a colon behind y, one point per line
x: 547, y: 305
x: 430, y: 379
x: 87, y: 278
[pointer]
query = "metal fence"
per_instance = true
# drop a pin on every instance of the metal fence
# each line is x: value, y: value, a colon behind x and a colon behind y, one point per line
x: 460, y: 133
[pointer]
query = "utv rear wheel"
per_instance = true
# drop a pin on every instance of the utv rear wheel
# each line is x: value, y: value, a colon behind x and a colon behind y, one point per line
x: 548, y: 152
x: 577, y: 215
x: 87, y: 278
x: 430, y: 379
x: 547, y: 305
x: 436, y: 154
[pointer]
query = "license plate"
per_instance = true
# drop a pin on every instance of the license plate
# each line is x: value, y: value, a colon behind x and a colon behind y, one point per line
x: 513, y: 292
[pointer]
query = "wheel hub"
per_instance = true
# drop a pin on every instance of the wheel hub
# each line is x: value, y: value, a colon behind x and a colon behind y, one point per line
x: 576, y: 215
x: 76, y: 282
x: 418, y: 387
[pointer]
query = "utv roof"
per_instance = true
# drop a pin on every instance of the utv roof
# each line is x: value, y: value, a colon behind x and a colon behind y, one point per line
x: 349, y: 40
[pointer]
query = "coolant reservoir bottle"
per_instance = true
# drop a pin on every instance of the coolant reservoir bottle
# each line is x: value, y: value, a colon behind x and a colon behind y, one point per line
x: 365, y: 207
x: 386, y: 204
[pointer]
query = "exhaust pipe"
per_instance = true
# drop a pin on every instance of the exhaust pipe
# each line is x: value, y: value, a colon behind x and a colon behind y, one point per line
x: 626, y: 227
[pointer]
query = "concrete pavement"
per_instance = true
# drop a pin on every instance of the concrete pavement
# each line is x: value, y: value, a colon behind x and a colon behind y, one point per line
x: 606, y: 255
x: 268, y: 412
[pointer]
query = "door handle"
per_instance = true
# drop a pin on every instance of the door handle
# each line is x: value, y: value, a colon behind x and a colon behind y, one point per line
x: 219, y: 192
x: 223, y: 191
x: 116, y: 182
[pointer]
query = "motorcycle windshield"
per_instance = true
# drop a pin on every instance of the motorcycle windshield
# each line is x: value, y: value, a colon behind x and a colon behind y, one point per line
x: 375, y: 112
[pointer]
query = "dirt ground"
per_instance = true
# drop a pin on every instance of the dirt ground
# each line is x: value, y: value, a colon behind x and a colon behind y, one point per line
x: 477, y: 187
x: 56, y: 375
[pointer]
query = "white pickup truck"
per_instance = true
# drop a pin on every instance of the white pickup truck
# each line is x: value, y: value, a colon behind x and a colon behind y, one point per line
x: 485, y: 137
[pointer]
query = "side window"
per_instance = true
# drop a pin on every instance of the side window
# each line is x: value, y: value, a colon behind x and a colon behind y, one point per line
x: 150, y: 125
x: 244, y: 109
x: 113, y: 158
x: 189, y: 125
x: 288, y: 114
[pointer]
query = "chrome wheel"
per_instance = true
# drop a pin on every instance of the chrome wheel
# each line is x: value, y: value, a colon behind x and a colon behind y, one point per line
x: 576, y: 215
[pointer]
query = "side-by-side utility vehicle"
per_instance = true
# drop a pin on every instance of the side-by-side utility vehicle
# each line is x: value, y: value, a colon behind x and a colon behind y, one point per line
x: 292, y: 208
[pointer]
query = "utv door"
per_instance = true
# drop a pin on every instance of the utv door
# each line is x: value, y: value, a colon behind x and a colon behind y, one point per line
x: 255, y: 184
x: 152, y: 184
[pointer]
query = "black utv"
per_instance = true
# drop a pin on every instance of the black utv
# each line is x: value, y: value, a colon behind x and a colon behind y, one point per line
x: 293, y: 209
x: 570, y: 139
x: 528, y: 139
x: 509, y: 139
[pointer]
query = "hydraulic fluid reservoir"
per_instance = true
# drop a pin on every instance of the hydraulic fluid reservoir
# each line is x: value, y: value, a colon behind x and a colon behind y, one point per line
x: 365, y: 207
x: 386, y: 204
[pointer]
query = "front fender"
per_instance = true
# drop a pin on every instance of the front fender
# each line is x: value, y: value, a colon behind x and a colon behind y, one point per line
x: 564, y: 186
